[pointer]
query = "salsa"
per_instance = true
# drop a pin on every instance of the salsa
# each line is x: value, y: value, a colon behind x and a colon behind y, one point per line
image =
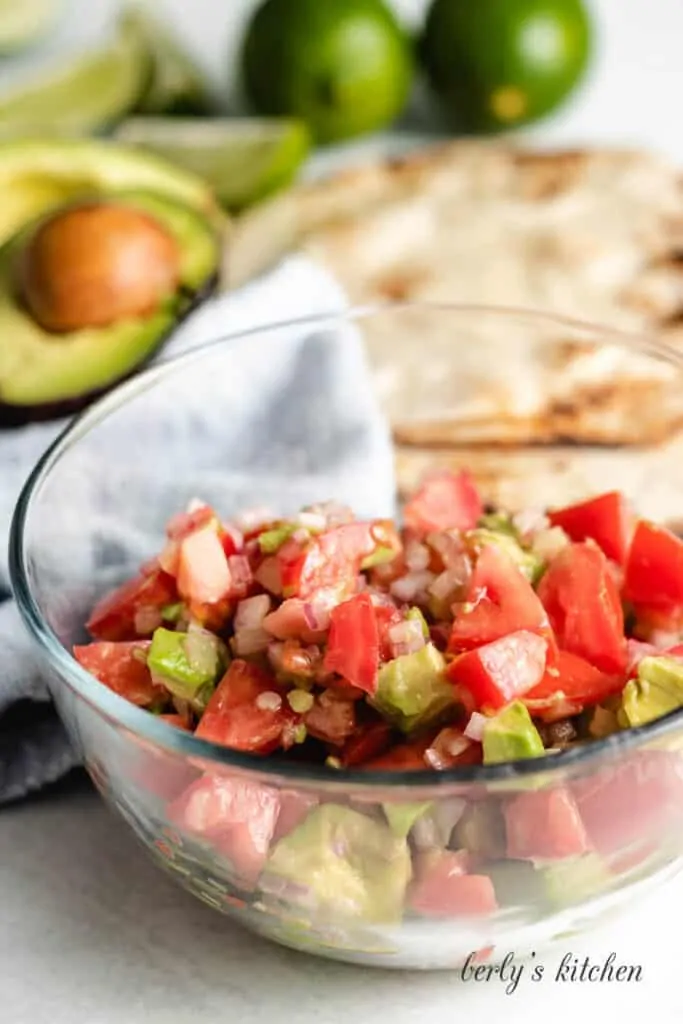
x: 462, y: 636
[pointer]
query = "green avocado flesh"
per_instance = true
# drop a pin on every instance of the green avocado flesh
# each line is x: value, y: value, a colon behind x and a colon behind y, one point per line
x: 511, y: 735
x: 39, y: 368
x: 412, y: 691
x: 656, y: 692
x: 349, y: 866
x: 188, y: 663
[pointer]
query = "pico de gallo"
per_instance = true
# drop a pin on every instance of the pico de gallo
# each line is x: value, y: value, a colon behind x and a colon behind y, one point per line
x: 464, y: 636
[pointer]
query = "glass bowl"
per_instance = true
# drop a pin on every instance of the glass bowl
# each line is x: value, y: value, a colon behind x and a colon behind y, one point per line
x: 543, y: 410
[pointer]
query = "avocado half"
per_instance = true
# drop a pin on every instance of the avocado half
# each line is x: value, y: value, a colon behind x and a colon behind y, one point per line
x: 44, y: 376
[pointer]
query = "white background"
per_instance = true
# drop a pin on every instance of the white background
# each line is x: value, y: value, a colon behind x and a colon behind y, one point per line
x: 90, y: 933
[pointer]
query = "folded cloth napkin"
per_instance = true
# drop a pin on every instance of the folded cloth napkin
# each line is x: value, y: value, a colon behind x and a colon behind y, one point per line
x: 347, y: 458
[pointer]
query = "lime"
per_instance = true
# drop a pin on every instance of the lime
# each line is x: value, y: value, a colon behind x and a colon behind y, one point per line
x: 243, y: 159
x: 23, y: 22
x: 85, y: 95
x: 502, y: 63
x: 176, y: 86
x: 343, y: 66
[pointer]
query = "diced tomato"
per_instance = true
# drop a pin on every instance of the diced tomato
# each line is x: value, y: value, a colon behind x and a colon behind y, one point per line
x: 236, y: 718
x: 583, y: 604
x: 442, y: 887
x: 330, y: 560
x: 330, y: 719
x: 367, y: 742
x: 404, y: 757
x: 654, y: 567
x: 450, y: 747
x: 177, y: 721
x: 444, y: 501
x: 631, y: 801
x: 500, y: 601
x: 158, y: 772
x: 238, y: 817
x: 114, y: 617
x: 290, y: 622
x: 502, y: 671
x: 295, y: 806
x: 386, y: 616
x: 123, y: 668
x: 203, y: 571
x: 544, y: 824
x: 353, y: 643
x: 605, y: 519
x: 570, y: 685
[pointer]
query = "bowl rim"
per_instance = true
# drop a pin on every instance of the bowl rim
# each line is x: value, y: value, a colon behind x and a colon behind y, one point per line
x: 150, y: 728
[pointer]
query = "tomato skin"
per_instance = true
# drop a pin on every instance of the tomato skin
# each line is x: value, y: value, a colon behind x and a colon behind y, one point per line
x: 631, y: 801
x: 367, y: 742
x: 442, y: 888
x: 116, y: 665
x: 444, y: 501
x: 330, y: 560
x: 584, y: 607
x: 233, y: 717
x: 654, y: 568
x: 544, y: 824
x: 569, y: 686
x: 604, y: 519
x: 353, y: 643
x: 113, y: 617
x: 500, y: 601
x: 236, y: 816
x: 500, y: 672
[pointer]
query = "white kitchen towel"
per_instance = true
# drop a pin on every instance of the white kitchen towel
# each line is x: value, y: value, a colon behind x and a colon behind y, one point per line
x: 346, y: 456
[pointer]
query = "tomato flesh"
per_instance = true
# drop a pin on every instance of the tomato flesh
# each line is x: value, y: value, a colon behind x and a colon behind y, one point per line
x: 654, y: 568
x: 570, y: 685
x: 114, y: 616
x: 122, y: 667
x: 604, y: 519
x: 500, y: 672
x: 353, y: 643
x: 544, y: 824
x: 443, y: 889
x: 584, y: 607
x: 444, y: 501
x: 235, y: 718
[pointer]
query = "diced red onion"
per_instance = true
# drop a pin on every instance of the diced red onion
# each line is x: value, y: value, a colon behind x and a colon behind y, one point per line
x: 240, y: 571
x: 380, y: 598
x: 474, y: 729
x: 548, y: 543
x: 317, y: 615
x: 450, y: 582
x: 406, y: 638
x: 276, y: 650
x: 529, y: 521
x: 408, y: 587
x: 268, y: 575
x: 301, y: 536
x: 250, y: 641
x: 332, y: 512
x: 252, y: 548
x: 417, y: 556
x: 235, y: 535
x: 449, y: 545
x: 147, y: 620
x: 315, y: 521
x: 269, y: 701
x: 253, y: 518
x: 443, y: 752
x: 252, y: 611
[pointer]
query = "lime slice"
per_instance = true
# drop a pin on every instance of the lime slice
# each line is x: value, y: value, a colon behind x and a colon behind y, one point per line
x: 243, y: 159
x: 89, y: 93
x: 176, y: 86
x: 23, y: 22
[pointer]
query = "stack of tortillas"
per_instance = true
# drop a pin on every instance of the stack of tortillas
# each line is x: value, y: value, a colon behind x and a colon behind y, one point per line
x: 540, y: 415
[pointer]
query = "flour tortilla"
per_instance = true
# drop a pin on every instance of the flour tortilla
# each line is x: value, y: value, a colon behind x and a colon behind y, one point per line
x: 593, y: 235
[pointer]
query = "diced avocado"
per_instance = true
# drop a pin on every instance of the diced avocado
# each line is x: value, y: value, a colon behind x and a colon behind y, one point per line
x: 271, y: 541
x: 415, y: 615
x: 511, y: 735
x: 412, y: 690
x: 172, y: 612
x: 517, y: 883
x: 529, y: 563
x: 499, y: 522
x: 43, y: 374
x: 657, y: 690
x: 380, y: 556
x: 188, y: 663
x: 402, y: 817
x: 481, y: 830
x: 575, y: 879
x: 347, y: 864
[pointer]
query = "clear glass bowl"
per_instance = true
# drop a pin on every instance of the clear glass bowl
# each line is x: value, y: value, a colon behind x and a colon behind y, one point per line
x: 627, y: 789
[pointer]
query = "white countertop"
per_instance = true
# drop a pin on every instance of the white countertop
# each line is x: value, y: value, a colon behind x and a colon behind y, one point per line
x: 92, y: 933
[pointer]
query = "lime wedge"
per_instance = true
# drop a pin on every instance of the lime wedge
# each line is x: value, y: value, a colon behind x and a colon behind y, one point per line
x: 243, y: 159
x: 23, y: 22
x: 176, y: 86
x: 89, y: 93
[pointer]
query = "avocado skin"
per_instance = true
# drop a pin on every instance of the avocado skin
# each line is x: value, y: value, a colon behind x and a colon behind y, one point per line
x: 15, y: 416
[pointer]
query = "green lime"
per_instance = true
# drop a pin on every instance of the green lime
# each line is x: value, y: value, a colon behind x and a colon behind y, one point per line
x: 176, y: 86
x: 502, y: 63
x: 23, y: 22
x: 243, y: 159
x: 343, y: 66
x: 84, y: 95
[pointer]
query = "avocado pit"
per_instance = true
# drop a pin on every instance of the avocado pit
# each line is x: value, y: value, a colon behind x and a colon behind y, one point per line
x: 94, y: 264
